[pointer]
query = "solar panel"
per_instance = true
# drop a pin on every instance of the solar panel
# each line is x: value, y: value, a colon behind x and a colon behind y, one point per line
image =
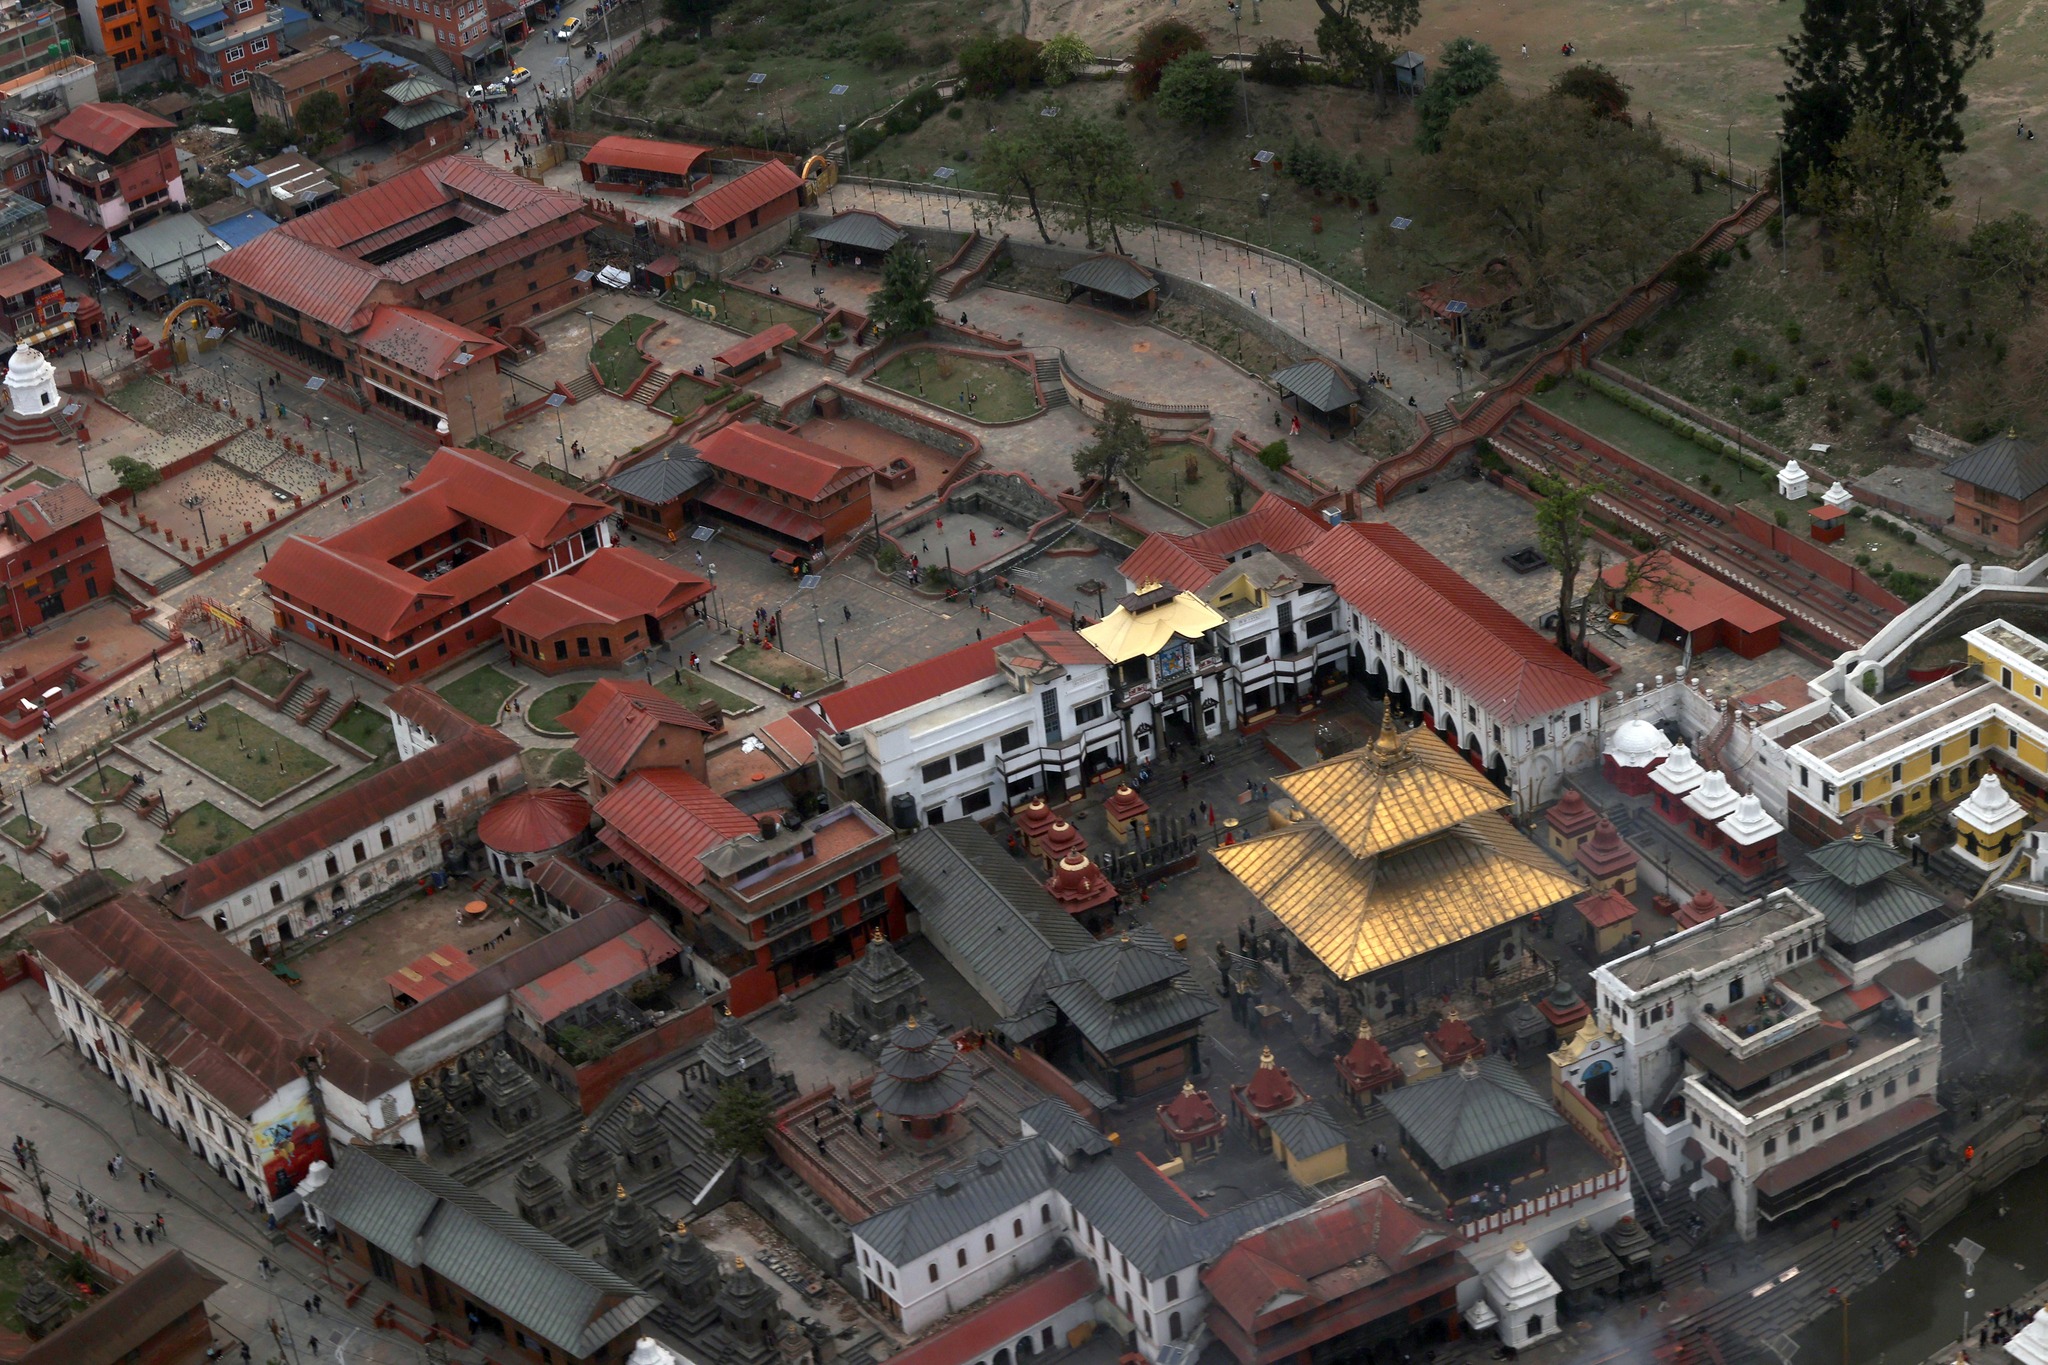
x: 841, y: 89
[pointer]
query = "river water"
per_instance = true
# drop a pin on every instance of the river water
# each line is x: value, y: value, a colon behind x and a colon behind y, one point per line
x: 1916, y: 1307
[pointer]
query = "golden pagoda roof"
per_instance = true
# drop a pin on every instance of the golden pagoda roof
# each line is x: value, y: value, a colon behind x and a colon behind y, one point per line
x: 1126, y: 634
x: 1359, y: 915
x: 1404, y: 786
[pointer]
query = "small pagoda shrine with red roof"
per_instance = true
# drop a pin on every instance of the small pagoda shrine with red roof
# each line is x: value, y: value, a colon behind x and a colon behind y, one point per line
x: 1608, y: 860
x: 1701, y: 907
x: 1192, y: 1123
x: 1366, y: 1069
x: 922, y: 1080
x: 1564, y: 1007
x: 1270, y: 1091
x: 1084, y: 892
x: 1605, y: 920
x: 1059, y: 840
x: 1568, y: 823
x: 1033, y: 819
x: 1454, y: 1041
x: 1124, y: 809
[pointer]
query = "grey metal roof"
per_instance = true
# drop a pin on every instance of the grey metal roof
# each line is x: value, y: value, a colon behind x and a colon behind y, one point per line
x: 1857, y: 861
x: 959, y: 1200
x: 1117, y: 276
x: 675, y: 473
x: 859, y: 228
x: 1114, y: 1024
x: 421, y: 1217
x: 1064, y: 1130
x: 409, y: 116
x: 1857, y: 914
x: 1466, y: 1114
x: 1306, y: 1131
x: 1317, y: 383
x: 1122, y: 966
x: 2004, y: 464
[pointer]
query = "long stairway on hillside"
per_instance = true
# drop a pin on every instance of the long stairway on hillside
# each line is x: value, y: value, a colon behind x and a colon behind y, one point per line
x: 954, y: 282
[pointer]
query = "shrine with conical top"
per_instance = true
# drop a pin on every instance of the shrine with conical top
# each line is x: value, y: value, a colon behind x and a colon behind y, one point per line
x: 922, y: 1080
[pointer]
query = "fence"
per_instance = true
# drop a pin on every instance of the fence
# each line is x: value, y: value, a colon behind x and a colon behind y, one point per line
x: 46, y: 1231
x: 1530, y: 1209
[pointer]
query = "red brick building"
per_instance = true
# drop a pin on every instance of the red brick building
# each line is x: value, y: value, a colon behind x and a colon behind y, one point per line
x: 741, y: 218
x: 53, y: 554
x: 417, y: 587
x: 456, y: 240
x: 277, y: 90
x: 623, y: 725
x: 220, y: 43
x: 765, y: 905
x: 157, y: 1316
x: 1362, y: 1276
x: 782, y: 489
x: 2001, y: 492
x: 463, y: 30
x: 613, y: 606
x: 109, y: 167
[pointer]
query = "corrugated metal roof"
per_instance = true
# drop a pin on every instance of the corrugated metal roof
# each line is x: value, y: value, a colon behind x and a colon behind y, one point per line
x: 1066, y: 1131
x: 1858, y: 914
x: 120, y: 1324
x: 645, y: 154
x: 730, y: 202
x: 1483, y: 1107
x: 1318, y: 383
x: 672, y: 819
x: 675, y: 473
x: 959, y: 1200
x: 105, y: 127
x: 1117, y: 276
x: 421, y: 1217
x: 2004, y: 464
x: 1306, y: 1131
x: 534, y: 821
x: 860, y: 230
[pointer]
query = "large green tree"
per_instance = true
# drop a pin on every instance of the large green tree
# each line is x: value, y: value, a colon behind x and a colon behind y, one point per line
x: 1464, y: 69
x: 902, y: 305
x: 1356, y: 37
x: 1013, y: 166
x: 1196, y: 91
x: 990, y: 65
x: 320, y: 119
x: 2007, y: 258
x: 740, y: 1119
x: 1879, y: 197
x: 1094, y: 178
x: 1563, y: 536
x: 1819, y: 101
x: 1119, y: 443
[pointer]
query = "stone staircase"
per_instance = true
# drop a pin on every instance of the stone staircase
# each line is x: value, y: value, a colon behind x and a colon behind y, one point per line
x: 583, y: 385
x: 954, y: 282
x: 651, y: 384
x: 1049, y: 382
x: 180, y: 575
x: 328, y: 712
x: 157, y: 816
x: 515, y: 1150
x: 1440, y: 420
x: 1645, y: 1178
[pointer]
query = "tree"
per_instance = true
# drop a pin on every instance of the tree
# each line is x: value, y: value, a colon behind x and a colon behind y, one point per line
x: 902, y: 305
x: 1465, y: 68
x: 1880, y: 197
x: 883, y: 49
x: 1012, y: 168
x: 1196, y: 91
x: 1563, y: 535
x: 1093, y: 178
x: 1064, y: 56
x: 2008, y: 257
x: 1819, y: 100
x: 740, y: 1119
x: 1160, y: 45
x: 990, y: 65
x: 133, y: 475
x: 1277, y: 62
x: 319, y: 119
x: 1596, y: 87
x: 1119, y: 443
x: 1577, y: 204
x: 1355, y: 37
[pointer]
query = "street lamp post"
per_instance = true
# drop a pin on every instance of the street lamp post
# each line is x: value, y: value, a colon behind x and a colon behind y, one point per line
x: 198, y: 504
x: 1236, y: 44
x: 327, y: 427
x: 358, y: 444
x: 590, y: 320
x: 1784, y: 209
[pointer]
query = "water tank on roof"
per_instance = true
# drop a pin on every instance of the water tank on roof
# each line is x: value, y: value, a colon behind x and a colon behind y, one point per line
x: 903, y: 811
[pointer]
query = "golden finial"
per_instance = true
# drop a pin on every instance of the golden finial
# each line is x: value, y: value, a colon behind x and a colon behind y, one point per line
x: 1365, y: 1028
x: 1187, y: 1088
x: 681, y: 1227
x: 1266, y: 1059
x: 1389, y: 746
x: 620, y: 1189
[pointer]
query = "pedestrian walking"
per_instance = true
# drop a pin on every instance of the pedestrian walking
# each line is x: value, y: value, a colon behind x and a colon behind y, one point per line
x: 1834, y: 1227
x: 138, y: 1233
x: 846, y: 611
x: 316, y: 1304
x: 117, y: 1233
x: 159, y: 1222
x: 306, y: 1307
x: 1255, y: 300
x: 142, y: 1179
x: 313, y: 1345
x: 154, y: 1183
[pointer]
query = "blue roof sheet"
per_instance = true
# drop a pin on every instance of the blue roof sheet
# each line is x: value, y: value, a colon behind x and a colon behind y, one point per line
x: 247, y: 178
x: 120, y: 270
x: 244, y: 228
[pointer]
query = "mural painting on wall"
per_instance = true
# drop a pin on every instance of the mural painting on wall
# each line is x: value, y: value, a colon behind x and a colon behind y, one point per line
x: 287, y: 1143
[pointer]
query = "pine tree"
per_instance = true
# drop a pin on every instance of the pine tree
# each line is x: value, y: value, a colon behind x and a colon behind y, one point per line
x: 1819, y: 100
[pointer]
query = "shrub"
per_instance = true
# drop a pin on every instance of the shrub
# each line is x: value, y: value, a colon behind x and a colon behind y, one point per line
x: 1792, y: 333
x: 1778, y: 514
x: 1063, y: 57
x: 1739, y: 357
x: 956, y: 112
x: 883, y: 49
x: 990, y: 65
x: 1545, y: 383
x: 1720, y: 260
x: 1688, y: 271
x: 1861, y: 370
x: 1276, y: 456
x: 1276, y: 63
x: 1195, y: 91
x: 1799, y: 385
x: 1158, y: 46
x: 888, y: 559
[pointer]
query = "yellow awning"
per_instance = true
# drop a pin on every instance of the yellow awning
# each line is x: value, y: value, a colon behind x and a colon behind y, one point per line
x: 1125, y: 634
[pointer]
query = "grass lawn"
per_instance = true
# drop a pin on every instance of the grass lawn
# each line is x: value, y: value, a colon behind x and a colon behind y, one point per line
x: 775, y: 668
x: 1207, y: 500
x: 617, y: 353
x: 20, y: 830
x: 202, y: 831
x: 1002, y: 392
x: 744, y: 309
x: 266, y: 673
x: 102, y: 834
x: 15, y: 889
x: 480, y: 695
x: 104, y: 785
x: 36, y: 474
x: 365, y: 727
x: 554, y: 765
x: 684, y: 398
x: 244, y: 754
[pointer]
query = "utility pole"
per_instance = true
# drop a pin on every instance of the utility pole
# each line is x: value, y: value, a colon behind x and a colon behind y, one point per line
x: 35, y: 1171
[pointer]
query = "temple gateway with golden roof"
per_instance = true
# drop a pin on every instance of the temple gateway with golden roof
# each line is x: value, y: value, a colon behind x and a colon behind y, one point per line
x: 1400, y: 869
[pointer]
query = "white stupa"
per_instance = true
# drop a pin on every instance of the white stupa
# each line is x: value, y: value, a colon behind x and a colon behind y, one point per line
x: 1838, y: 496
x: 1524, y: 1296
x: 1713, y: 799
x: 1637, y: 744
x: 1987, y: 824
x: 1792, y: 481
x: 1679, y: 773
x: 31, y: 382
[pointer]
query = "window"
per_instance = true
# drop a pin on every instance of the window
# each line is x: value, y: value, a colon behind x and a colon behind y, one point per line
x: 1172, y: 1288
x: 1577, y: 723
x: 960, y: 1258
x: 1820, y: 1123
x: 260, y: 45
x: 937, y: 769
x: 989, y: 1244
x: 561, y: 649
x: 933, y: 1269
x: 1087, y: 712
x: 975, y: 801
x: 1864, y: 1103
x: 1913, y: 1076
x: 384, y: 838
x: 1841, y: 1113
x: 973, y: 756
x: 276, y: 894
x: 1017, y: 1228
x: 1770, y: 1146
x: 1044, y: 1215
x: 1015, y: 740
x: 357, y: 849
x: 333, y: 866
x: 1319, y: 625
x: 1536, y: 737
x: 1891, y: 1087
x: 235, y: 53
x: 1251, y: 650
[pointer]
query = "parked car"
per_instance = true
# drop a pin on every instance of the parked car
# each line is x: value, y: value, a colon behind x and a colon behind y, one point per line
x: 569, y: 29
x: 520, y: 76
x: 495, y: 91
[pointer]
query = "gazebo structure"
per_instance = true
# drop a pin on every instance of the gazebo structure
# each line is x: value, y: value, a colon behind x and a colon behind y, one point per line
x: 1118, y: 280
x: 754, y: 357
x: 1481, y: 1124
x: 921, y: 1082
x: 529, y: 827
x: 1366, y: 1069
x: 1317, y: 389
x: 857, y: 236
x: 1192, y: 1123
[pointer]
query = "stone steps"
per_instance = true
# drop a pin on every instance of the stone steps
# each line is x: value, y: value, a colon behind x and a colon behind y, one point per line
x: 583, y: 385
x: 481, y: 1168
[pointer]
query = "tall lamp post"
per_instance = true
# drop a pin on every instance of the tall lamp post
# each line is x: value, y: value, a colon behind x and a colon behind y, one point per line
x: 1236, y: 44
x: 1784, y: 210
x: 358, y: 444
x: 197, y: 504
x: 327, y: 428
x: 555, y: 401
x: 1968, y: 1252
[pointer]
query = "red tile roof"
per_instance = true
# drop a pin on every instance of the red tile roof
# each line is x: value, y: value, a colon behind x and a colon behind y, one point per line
x: 1605, y: 908
x: 1848, y: 1144
x: 782, y: 460
x: 429, y: 710
x: 610, y: 587
x: 307, y: 278
x: 1471, y: 640
x: 423, y: 343
x: 761, y: 343
x: 661, y: 820
x: 605, y: 967
x: 1688, y: 597
x: 123, y: 1323
x: 1003, y: 1319
x: 1188, y: 562
x: 206, y: 1007
x: 103, y: 128
x: 1354, y: 1245
x: 646, y: 154
x: 920, y: 682
x: 318, y: 827
x: 580, y: 717
x: 783, y: 520
x: 427, y: 975
x: 609, y: 743
x: 534, y: 821
x: 37, y: 511
x: 76, y: 233
x: 25, y: 275
x: 735, y: 200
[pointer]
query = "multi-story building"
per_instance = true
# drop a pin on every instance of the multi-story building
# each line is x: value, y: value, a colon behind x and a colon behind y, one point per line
x: 1790, y: 1047
x: 32, y: 301
x: 53, y: 553
x: 220, y: 43
x: 463, y: 30
x: 124, y: 31
x: 974, y: 730
x: 277, y: 90
x: 473, y: 246
x: 417, y: 587
x: 2001, y: 493
x: 783, y: 489
x: 320, y: 863
x: 255, y: 1081
x: 109, y: 167
x: 35, y: 100
x: 765, y: 904
x: 29, y: 35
